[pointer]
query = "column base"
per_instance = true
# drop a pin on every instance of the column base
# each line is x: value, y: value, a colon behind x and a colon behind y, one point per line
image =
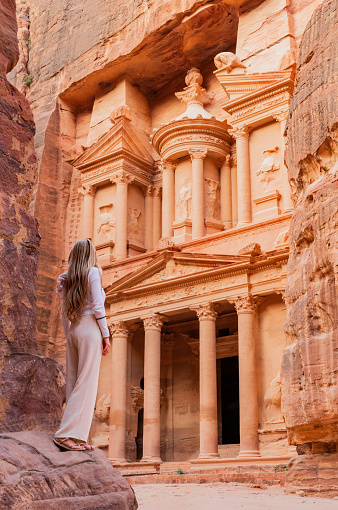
x: 249, y: 453
x: 153, y: 460
x: 118, y: 461
x: 243, y: 224
x: 206, y: 456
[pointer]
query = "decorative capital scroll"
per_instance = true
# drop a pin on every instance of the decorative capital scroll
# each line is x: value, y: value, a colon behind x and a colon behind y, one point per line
x: 88, y: 190
x: 240, y: 132
x: 197, y: 153
x: 205, y: 312
x: 165, y: 243
x: 154, y: 322
x: 234, y: 161
x: 194, y: 92
x: 281, y: 116
x: 166, y: 165
x: 282, y: 294
x: 167, y: 340
x: 245, y: 304
x: 148, y: 191
x: 118, y: 328
x: 157, y: 192
x: 122, y: 177
x: 227, y: 161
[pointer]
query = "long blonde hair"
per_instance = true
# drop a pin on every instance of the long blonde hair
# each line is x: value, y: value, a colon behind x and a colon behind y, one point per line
x: 81, y: 259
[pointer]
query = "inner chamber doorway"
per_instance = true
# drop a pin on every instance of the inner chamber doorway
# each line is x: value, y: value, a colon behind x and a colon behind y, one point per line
x: 228, y: 400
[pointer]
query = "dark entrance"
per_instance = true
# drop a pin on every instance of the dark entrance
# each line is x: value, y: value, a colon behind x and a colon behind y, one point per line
x: 230, y: 400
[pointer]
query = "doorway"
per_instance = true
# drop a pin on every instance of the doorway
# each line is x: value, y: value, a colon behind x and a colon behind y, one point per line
x: 229, y: 386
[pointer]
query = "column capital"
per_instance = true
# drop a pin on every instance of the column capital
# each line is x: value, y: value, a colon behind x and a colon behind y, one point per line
x: 240, y: 132
x: 234, y: 161
x: 167, y: 340
x: 158, y: 192
x: 122, y: 177
x: 281, y: 116
x: 245, y: 304
x: 197, y: 153
x: 88, y: 190
x: 154, y: 322
x: 118, y: 328
x: 205, y: 311
x: 227, y: 161
x: 166, y: 165
x: 148, y: 191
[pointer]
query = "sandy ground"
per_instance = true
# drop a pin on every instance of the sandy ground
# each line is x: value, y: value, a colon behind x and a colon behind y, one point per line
x: 218, y: 496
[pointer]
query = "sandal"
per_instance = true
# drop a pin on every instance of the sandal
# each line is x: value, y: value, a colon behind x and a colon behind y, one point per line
x: 60, y: 442
x: 87, y: 446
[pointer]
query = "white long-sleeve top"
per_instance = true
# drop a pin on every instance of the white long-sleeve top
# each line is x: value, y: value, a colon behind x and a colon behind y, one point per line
x: 94, y: 302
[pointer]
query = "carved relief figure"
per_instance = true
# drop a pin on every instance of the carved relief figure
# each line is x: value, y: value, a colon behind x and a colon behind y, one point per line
x: 228, y: 61
x: 184, y: 201
x: 134, y: 228
x: 211, y: 199
x: 269, y: 165
x: 106, y: 223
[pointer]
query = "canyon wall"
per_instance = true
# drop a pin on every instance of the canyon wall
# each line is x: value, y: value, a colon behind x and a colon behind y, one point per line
x: 310, y: 364
x: 32, y: 388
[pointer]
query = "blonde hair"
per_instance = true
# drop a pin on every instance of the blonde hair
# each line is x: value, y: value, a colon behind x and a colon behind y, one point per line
x: 81, y: 259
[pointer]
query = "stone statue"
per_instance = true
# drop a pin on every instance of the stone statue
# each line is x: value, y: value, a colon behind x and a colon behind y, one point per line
x: 184, y: 201
x: 268, y: 166
x: 228, y: 61
x: 106, y: 223
x: 134, y: 229
x: 211, y: 200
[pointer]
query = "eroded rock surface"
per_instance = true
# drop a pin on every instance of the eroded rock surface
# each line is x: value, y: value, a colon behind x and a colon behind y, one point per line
x: 32, y: 387
x: 35, y: 474
x: 310, y: 364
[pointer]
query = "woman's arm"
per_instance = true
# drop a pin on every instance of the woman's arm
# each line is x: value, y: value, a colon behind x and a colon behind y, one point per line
x: 97, y: 301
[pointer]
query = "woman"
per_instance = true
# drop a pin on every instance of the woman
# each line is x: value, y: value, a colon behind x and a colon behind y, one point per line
x: 85, y: 326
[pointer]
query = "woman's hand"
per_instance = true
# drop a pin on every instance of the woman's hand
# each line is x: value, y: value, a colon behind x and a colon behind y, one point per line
x: 105, y: 346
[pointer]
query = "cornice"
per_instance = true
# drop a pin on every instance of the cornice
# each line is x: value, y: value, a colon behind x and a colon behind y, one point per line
x: 273, y: 262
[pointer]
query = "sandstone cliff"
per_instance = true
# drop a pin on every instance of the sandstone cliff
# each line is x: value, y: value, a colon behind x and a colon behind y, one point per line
x: 32, y: 388
x: 310, y: 364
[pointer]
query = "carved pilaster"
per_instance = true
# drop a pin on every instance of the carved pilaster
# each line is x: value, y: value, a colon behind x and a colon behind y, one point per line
x: 154, y: 322
x: 167, y: 340
x: 205, y: 312
x: 148, y: 191
x: 197, y: 153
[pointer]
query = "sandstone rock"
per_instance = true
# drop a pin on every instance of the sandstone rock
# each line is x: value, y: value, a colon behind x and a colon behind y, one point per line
x: 35, y: 474
x: 310, y: 365
x: 33, y: 392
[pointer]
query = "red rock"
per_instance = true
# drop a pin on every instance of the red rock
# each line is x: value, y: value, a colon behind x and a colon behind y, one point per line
x: 48, y: 479
x: 33, y: 392
x: 310, y: 364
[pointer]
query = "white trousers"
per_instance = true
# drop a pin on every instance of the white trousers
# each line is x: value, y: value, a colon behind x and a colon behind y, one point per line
x: 83, y: 357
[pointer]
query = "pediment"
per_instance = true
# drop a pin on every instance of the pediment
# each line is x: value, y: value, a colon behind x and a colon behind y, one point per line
x: 119, y: 139
x: 240, y: 85
x: 171, y: 266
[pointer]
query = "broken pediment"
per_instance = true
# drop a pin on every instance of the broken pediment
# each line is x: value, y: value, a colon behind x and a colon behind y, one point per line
x: 169, y: 266
x: 119, y: 140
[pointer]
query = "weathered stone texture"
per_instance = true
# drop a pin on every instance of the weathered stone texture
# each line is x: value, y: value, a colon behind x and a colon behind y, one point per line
x: 310, y: 364
x: 48, y: 479
x: 32, y: 388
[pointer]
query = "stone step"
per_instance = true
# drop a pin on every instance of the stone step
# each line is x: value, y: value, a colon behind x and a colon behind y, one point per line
x: 228, y: 451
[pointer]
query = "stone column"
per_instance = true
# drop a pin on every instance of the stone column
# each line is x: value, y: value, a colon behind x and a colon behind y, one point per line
x: 288, y: 204
x: 208, y: 381
x: 122, y: 179
x: 156, y: 217
x: 225, y: 193
x: 118, y: 406
x: 152, y: 391
x: 167, y: 345
x: 168, y: 198
x: 88, y: 212
x: 241, y: 134
x: 197, y: 199
x: 248, y: 383
x: 234, y: 192
x: 148, y: 217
